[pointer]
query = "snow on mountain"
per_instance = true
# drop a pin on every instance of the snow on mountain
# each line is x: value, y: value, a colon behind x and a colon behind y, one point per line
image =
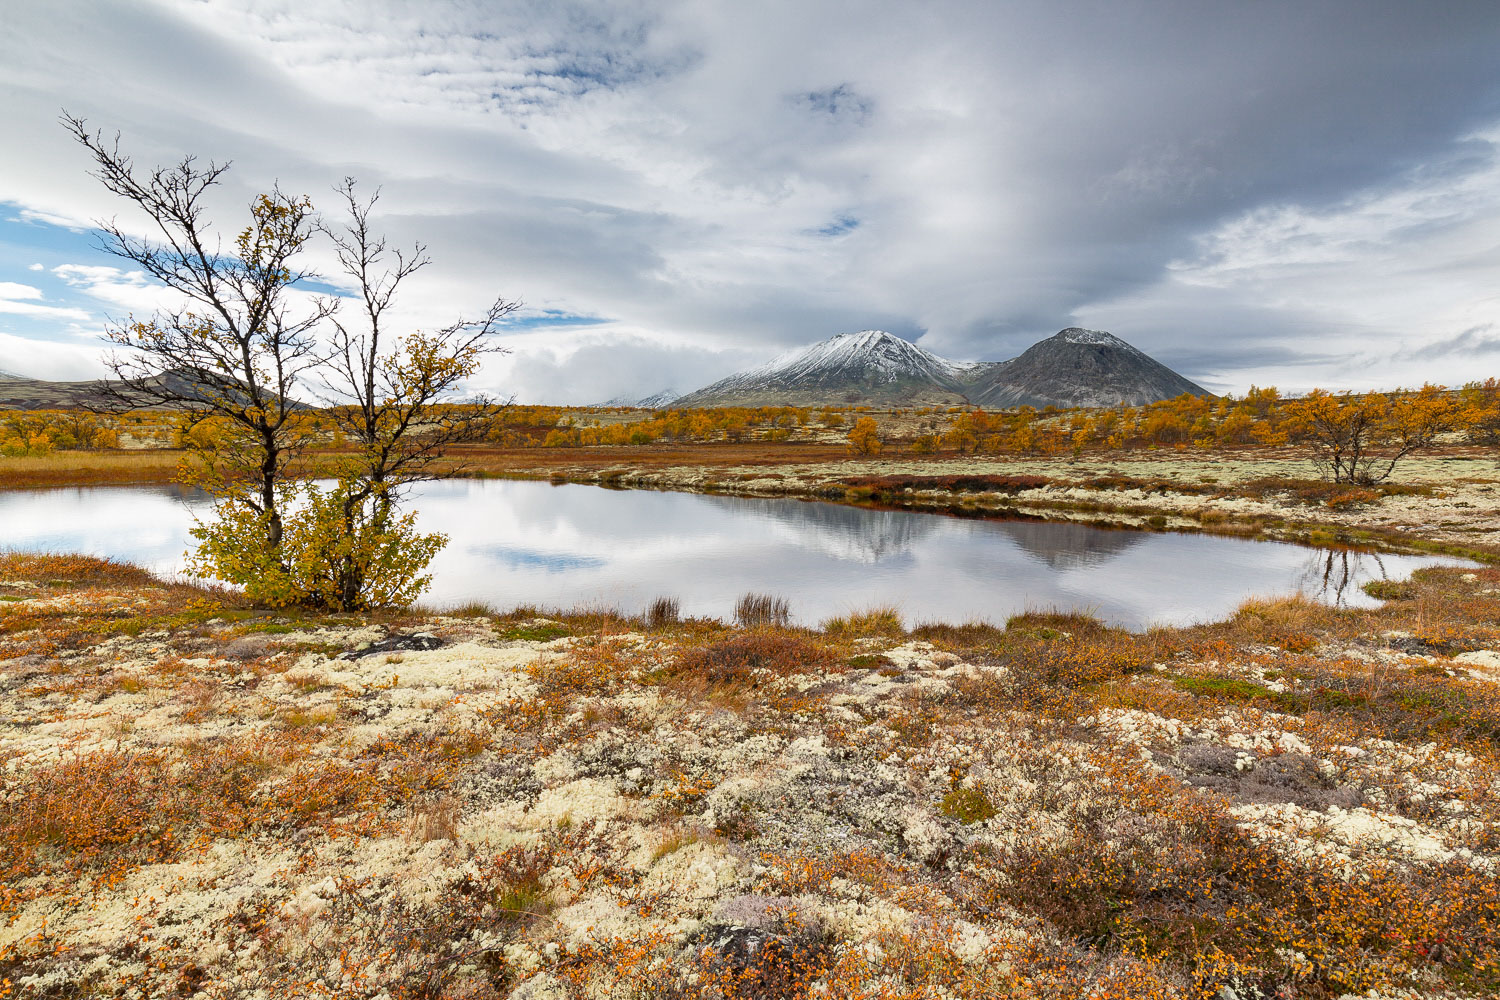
x: 870, y: 364
x: 1078, y: 335
x: 655, y: 401
x: 869, y: 352
x: 6, y: 376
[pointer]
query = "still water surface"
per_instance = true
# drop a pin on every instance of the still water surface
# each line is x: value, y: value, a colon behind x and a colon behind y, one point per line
x: 568, y: 546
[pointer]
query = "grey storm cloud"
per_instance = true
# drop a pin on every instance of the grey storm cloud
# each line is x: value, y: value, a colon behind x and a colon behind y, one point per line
x: 1271, y: 192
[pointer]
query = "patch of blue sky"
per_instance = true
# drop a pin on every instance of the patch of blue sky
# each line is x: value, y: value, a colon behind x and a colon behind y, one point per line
x: 550, y: 318
x: 31, y: 249
x: 839, y: 226
x: 26, y: 242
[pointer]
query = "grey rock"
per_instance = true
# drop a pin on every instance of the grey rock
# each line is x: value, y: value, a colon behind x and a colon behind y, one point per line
x: 394, y: 644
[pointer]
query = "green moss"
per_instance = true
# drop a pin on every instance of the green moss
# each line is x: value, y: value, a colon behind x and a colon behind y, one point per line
x: 536, y: 633
x: 1228, y: 688
x: 967, y: 805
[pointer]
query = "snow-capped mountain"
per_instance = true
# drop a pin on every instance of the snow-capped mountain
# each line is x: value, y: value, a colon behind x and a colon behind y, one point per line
x: 655, y: 401
x: 1074, y: 367
x: 6, y: 376
x: 869, y: 366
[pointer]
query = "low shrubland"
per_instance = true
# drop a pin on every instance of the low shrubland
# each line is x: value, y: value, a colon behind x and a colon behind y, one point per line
x: 234, y: 802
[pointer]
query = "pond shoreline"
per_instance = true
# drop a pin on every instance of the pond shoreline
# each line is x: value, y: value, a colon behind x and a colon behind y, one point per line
x: 1275, y: 518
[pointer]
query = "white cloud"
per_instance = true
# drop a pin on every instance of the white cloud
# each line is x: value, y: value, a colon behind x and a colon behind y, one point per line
x: 130, y: 290
x: 45, y: 359
x: 39, y: 216
x: 25, y: 300
x: 744, y: 177
x: 37, y: 267
x: 14, y: 290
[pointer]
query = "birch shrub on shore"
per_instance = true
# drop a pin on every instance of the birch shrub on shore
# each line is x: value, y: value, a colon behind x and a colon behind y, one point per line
x: 243, y: 339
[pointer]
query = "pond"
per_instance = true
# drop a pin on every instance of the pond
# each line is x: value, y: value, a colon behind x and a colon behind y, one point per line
x: 533, y: 543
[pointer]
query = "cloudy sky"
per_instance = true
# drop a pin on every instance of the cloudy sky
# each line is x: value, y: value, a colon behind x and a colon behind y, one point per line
x: 1289, y: 193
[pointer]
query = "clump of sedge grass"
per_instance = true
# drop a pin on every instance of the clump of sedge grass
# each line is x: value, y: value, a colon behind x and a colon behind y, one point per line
x: 883, y: 620
x: 473, y: 609
x: 762, y: 609
x: 663, y: 611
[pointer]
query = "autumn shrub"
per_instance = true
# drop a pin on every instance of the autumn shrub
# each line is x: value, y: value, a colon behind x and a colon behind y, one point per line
x: 865, y: 437
x: 1289, y: 622
x: 335, y: 551
x: 737, y: 659
x: 72, y: 569
x: 1390, y: 590
x: 1168, y: 872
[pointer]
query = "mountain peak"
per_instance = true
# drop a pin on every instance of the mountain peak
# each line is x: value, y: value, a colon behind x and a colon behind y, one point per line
x: 1079, y: 335
x: 1078, y: 367
x: 6, y: 376
x: 867, y: 364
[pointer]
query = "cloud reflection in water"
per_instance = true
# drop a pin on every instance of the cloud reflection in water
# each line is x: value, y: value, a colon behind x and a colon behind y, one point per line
x: 564, y: 546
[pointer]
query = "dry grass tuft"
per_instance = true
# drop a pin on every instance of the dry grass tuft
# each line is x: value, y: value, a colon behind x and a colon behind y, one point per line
x: 436, y: 819
x: 762, y: 609
x: 663, y: 611
x: 884, y: 620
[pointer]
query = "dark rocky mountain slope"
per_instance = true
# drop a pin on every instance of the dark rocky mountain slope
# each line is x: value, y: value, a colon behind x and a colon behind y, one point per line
x: 1078, y: 367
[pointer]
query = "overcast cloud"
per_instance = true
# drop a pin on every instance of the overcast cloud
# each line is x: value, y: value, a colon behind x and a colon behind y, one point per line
x: 1292, y: 193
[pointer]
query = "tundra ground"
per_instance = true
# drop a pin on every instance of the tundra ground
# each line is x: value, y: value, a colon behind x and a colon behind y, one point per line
x: 202, y: 799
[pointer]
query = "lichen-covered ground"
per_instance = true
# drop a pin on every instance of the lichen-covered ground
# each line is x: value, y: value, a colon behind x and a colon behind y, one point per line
x: 201, y: 799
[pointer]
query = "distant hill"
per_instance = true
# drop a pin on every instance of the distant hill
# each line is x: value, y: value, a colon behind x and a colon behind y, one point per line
x: 872, y: 367
x: 1075, y: 367
x: 1078, y: 367
x: 18, y: 392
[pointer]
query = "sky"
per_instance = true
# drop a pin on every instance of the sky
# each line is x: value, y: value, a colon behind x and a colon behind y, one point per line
x: 1295, y: 194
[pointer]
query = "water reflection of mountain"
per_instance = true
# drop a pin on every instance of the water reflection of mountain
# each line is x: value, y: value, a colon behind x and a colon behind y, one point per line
x: 1068, y: 546
x: 851, y: 534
